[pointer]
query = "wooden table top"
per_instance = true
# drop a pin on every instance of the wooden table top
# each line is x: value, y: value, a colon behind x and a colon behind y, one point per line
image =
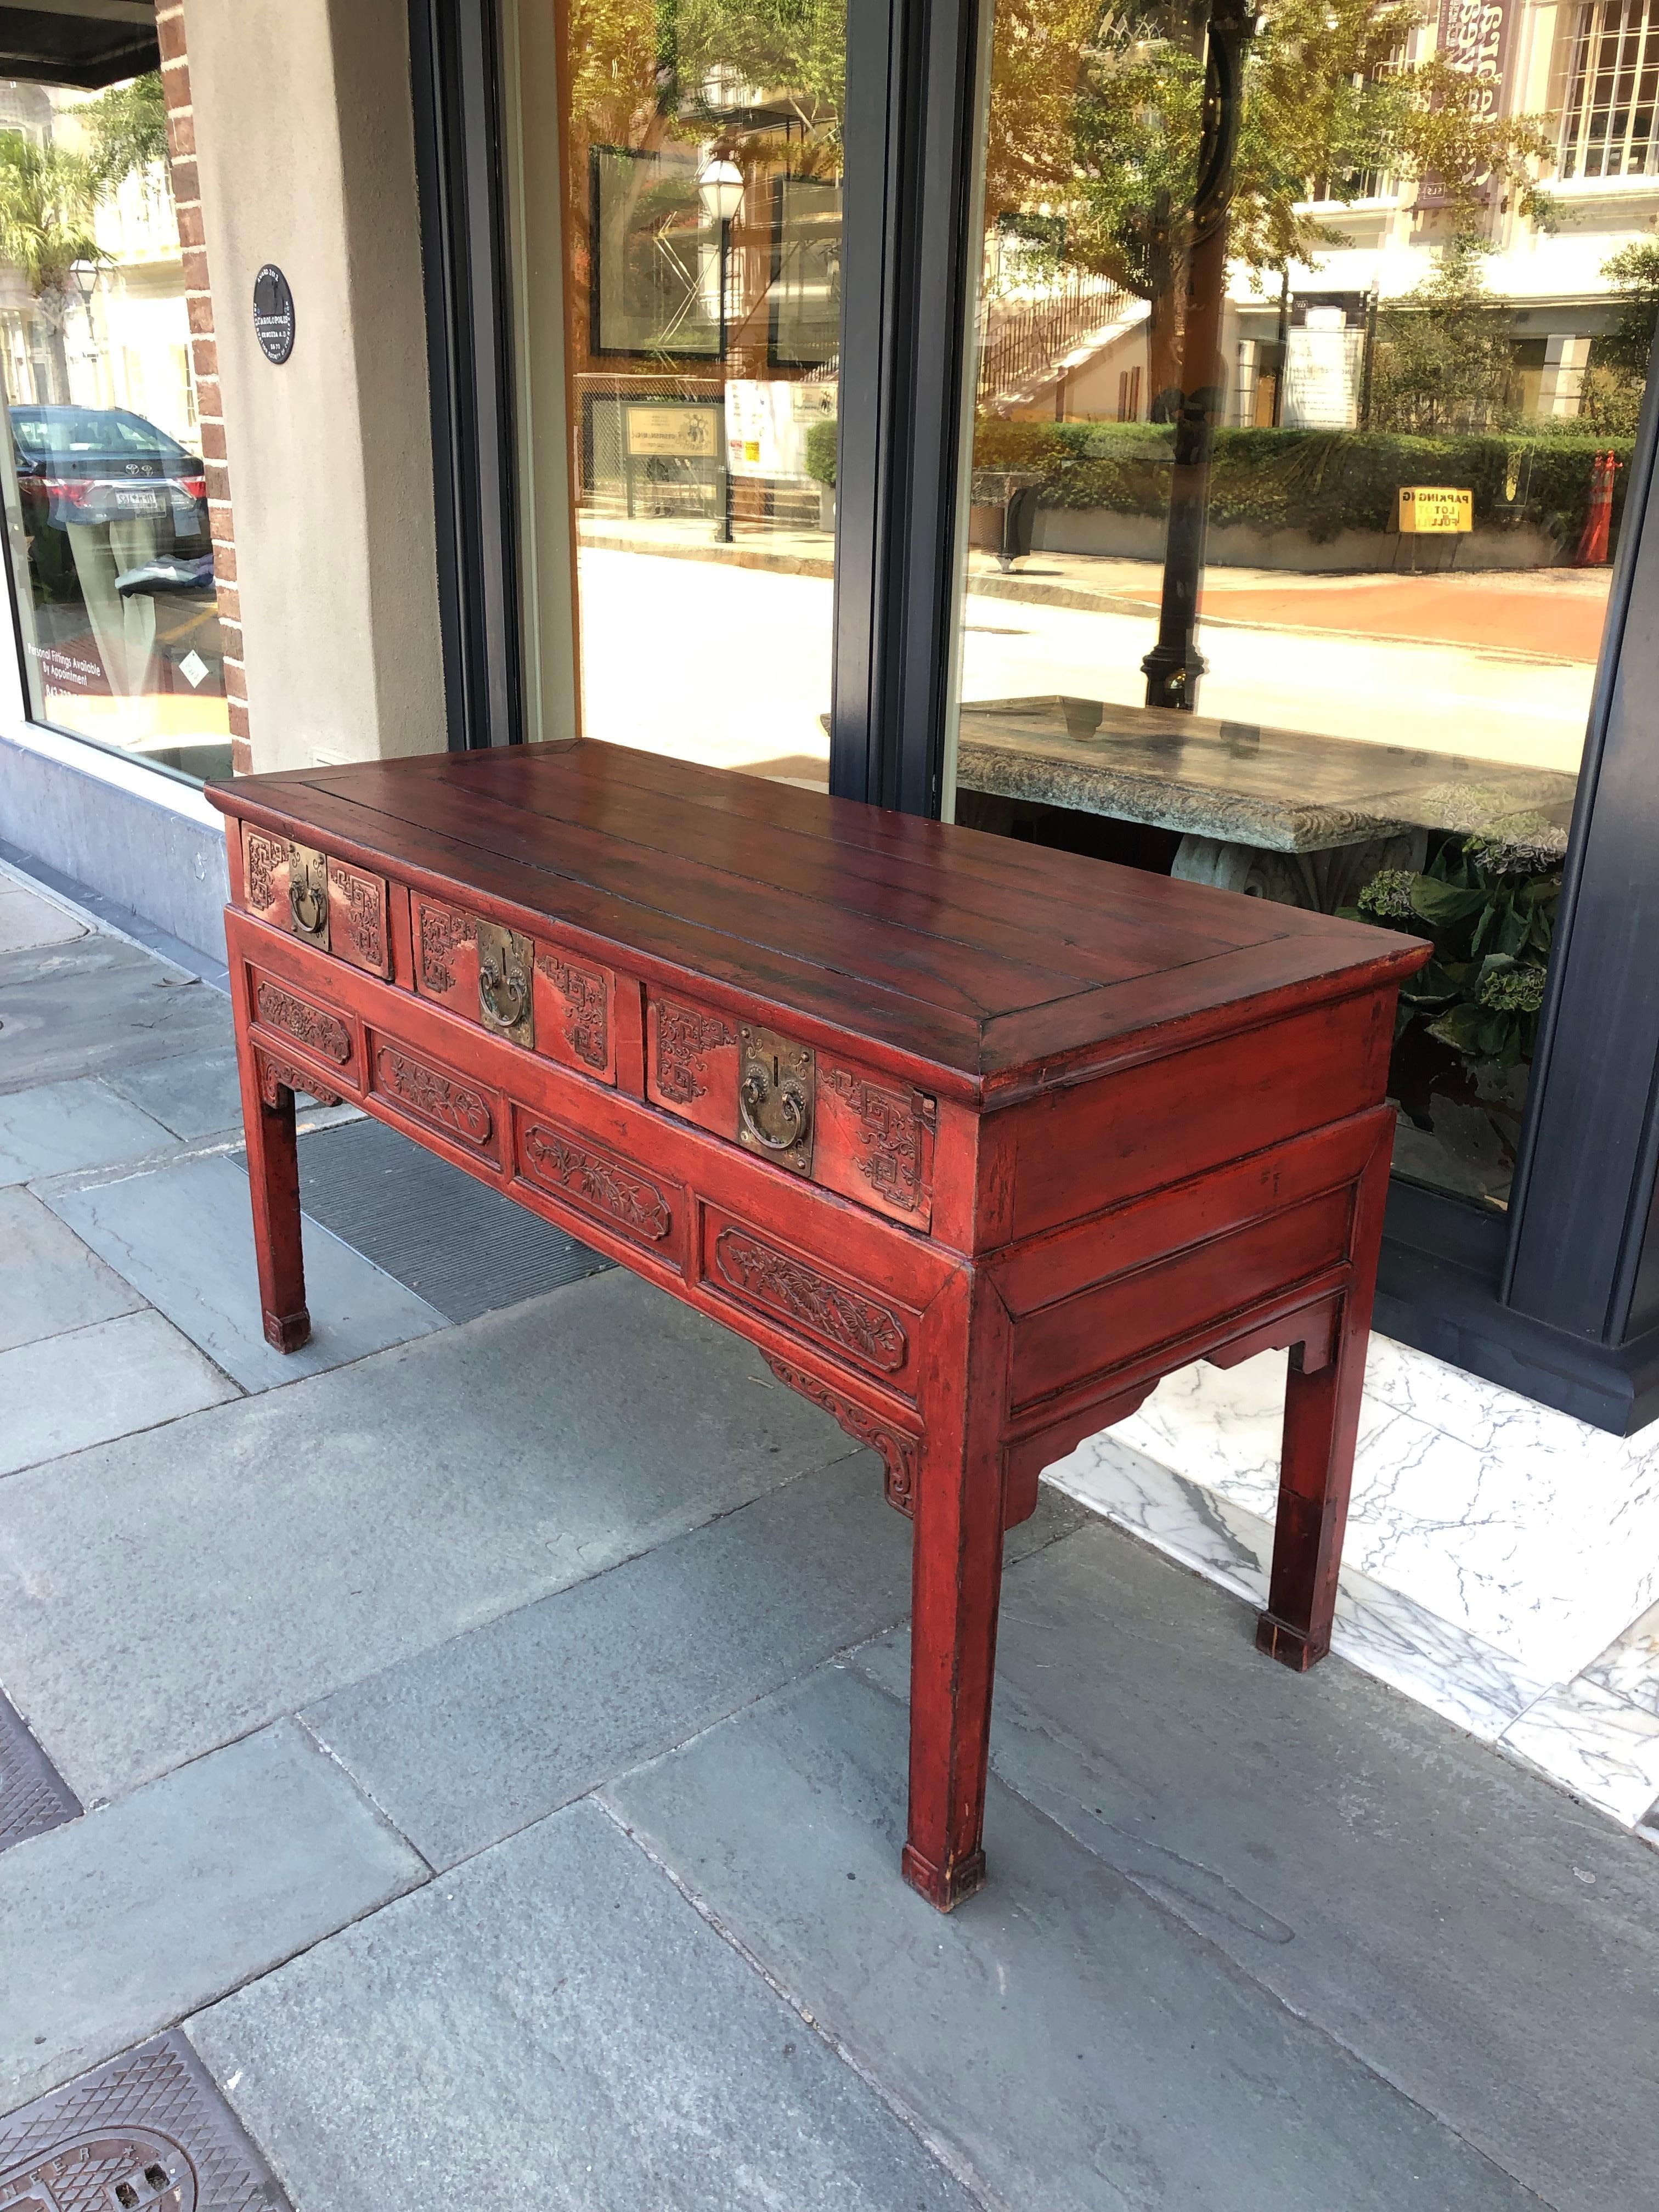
x: 995, y: 963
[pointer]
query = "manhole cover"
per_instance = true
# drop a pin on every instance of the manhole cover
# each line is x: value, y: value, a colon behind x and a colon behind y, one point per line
x: 149, y: 2130
x: 33, y: 1796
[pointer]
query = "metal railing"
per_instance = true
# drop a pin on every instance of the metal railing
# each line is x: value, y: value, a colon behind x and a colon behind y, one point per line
x: 1026, y: 339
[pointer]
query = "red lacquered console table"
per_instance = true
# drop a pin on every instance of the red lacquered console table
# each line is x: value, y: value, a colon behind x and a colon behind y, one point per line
x: 975, y: 1141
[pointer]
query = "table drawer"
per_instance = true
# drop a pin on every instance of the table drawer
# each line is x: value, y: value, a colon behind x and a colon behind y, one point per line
x: 321, y: 901
x: 863, y: 1135
x: 315, y: 1035
x: 516, y: 986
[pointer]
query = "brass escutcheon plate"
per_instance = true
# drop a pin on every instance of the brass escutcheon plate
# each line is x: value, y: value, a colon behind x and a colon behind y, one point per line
x: 505, y: 985
x: 777, y: 1096
x: 307, y: 894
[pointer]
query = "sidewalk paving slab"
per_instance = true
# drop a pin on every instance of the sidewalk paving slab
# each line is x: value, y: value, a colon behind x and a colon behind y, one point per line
x: 1472, y: 1934
x: 195, y: 1094
x: 57, y: 1127
x: 160, y: 1596
x: 122, y: 1922
x: 466, y: 1742
x: 97, y: 1005
x: 51, y: 1281
x: 183, y: 1234
x: 552, y: 2027
x: 1081, y: 2049
x: 73, y: 1392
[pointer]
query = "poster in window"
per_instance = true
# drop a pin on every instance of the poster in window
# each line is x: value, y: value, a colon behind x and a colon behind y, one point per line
x: 657, y: 263
x: 804, y: 329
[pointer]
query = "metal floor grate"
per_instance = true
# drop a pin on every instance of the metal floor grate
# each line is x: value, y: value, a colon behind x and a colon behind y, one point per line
x: 462, y: 1247
x: 33, y: 1796
x: 147, y: 2130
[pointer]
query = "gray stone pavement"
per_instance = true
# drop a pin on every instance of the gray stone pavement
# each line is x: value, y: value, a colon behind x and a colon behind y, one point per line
x: 491, y: 1729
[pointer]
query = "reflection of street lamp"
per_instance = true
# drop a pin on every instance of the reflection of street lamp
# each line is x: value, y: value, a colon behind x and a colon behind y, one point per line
x: 720, y: 194
x: 720, y: 190
x: 85, y: 274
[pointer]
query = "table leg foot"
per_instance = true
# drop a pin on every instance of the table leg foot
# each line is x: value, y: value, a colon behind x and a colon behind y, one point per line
x: 288, y: 1332
x: 944, y: 1889
x: 1291, y: 1646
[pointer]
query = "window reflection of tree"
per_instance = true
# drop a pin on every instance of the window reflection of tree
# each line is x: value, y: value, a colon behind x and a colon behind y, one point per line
x: 1165, y: 145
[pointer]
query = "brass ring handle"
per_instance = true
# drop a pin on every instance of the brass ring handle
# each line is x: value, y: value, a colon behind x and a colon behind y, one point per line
x: 309, y: 906
x: 496, y: 984
x: 791, y: 1103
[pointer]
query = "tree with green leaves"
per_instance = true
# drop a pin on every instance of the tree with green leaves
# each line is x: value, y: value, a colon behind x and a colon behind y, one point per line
x: 1097, y: 115
x: 128, y: 128
x: 1444, y: 362
x: 47, y: 199
x: 1618, y: 370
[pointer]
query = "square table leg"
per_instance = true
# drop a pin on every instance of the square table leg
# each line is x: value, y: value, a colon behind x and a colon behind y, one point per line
x: 1321, y: 1424
x: 273, y: 1176
x: 956, y: 1583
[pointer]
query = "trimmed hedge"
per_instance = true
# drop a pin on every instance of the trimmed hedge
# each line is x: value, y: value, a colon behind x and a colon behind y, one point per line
x: 1321, y: 482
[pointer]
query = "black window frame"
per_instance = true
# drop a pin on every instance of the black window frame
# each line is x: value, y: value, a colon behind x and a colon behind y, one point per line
x: 1557, y: 1299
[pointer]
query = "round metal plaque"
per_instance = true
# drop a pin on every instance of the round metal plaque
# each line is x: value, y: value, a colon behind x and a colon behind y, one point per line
x: 273, y: 313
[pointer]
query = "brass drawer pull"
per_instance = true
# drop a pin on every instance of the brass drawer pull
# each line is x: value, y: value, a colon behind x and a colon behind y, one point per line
x: 307, y: 894
x: 776, y: 1092
x: 503, y: 993
x: 308, y: 905
x: 506, y: 1001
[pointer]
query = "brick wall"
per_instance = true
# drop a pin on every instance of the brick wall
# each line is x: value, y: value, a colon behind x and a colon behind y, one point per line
x: 187, y: 199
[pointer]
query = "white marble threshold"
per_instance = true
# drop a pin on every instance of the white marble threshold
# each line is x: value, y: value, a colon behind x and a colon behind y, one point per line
x: 1502, y: 1561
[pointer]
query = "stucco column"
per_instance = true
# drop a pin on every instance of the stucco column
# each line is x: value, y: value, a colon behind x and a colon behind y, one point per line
x: 305, y: 142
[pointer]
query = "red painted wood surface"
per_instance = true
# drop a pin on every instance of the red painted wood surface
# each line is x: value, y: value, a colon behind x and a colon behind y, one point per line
x: 1074, y: 1126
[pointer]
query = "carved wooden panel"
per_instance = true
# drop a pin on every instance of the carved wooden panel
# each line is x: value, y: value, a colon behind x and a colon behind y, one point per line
x: 843, y: 1317
x: 433, y: 1096
x: 875, y: 1142
x: 574, y: 1022
x: 445, y: 955
x: 265, y: 875
x: 595, y: 1181
x: 898, y: 1449
x: 276, y: 1076
x: 356, y: 918
x: 276, y: 1007
x: 691, y: 1064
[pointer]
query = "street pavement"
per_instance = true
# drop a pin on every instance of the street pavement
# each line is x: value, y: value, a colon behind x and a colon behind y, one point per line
x: 736, y: 667
x: 490, y: 1730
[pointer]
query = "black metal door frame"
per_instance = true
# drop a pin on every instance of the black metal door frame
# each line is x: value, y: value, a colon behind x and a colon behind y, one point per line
x: 1560, y: 1299
x: 455, y: 68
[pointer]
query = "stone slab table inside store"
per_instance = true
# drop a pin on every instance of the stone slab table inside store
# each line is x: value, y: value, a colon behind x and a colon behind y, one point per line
x: 1287, y: 814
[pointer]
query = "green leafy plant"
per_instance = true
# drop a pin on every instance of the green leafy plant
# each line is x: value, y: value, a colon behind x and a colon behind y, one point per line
x: 821, y: 451
x: 47, y: 199
x: 1487, y: 904
x: 128, y: 127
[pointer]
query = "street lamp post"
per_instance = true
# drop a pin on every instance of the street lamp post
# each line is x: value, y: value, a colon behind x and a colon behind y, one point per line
x: 720, y: 194
x: 1174, y: 666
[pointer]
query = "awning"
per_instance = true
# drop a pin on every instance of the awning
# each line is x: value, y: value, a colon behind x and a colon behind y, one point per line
x: 90, y: 43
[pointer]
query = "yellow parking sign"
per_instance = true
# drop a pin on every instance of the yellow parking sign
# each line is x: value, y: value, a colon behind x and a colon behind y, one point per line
x: 1434, y: 509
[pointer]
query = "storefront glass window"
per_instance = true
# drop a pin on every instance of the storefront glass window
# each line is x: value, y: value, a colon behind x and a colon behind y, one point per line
x: 700, y: 259
x: 105, y: 486
x: 1307, y: 371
